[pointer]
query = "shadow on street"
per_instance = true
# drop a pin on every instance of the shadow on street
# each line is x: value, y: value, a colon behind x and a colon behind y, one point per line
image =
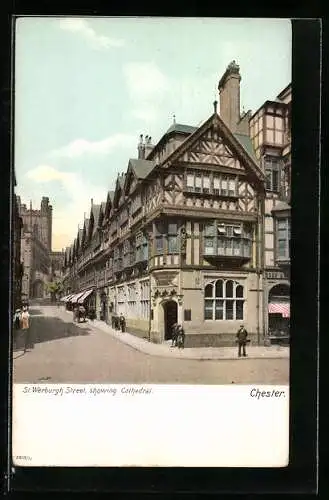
x: 45, y: 329
x: 35, y: 312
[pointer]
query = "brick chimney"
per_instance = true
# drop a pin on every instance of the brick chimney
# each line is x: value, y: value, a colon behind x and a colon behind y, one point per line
x: 148, y: 145
x: 229, y: 96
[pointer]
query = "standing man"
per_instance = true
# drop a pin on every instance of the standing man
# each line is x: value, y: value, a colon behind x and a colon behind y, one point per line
x: 242, y: 335
x: 122, y: 323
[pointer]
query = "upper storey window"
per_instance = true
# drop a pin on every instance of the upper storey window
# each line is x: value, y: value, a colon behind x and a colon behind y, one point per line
x: 272, y: 174
x: 208, y: 183
x: 166, y: 237
x: 283, y: 238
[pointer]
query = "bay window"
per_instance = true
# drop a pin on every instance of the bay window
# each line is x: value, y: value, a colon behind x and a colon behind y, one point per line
x: 227, y: 239
x: 166, y: 238
x: 283, y: 238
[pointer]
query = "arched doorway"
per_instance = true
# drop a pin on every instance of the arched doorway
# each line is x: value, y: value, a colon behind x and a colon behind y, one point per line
x: 38, y: 289
x: 170, y: 317
x: 279, y: 310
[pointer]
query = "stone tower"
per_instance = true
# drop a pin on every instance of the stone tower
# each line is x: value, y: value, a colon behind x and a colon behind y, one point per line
x: 46, y: 221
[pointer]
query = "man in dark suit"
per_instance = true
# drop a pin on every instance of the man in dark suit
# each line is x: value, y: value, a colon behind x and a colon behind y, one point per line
x: 242, y: 335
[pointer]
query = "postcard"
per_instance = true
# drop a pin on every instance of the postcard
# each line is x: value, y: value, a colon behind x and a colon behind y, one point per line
x: 151, y: 215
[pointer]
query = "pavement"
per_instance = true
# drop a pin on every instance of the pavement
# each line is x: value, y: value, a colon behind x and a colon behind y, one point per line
x: 92, y: 352
x: 202, y: 353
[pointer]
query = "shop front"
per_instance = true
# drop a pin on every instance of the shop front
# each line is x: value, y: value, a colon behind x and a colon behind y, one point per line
x: 279, y: 313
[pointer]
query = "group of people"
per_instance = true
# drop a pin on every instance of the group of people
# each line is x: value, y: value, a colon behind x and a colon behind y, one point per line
x: 177, y: 336
x: 119, y: 322
x: 22, y: 322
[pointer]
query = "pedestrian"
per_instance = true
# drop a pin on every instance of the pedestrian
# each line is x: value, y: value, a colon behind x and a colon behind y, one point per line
x: 82, y: 313
x: 25, y: 325
x: 17, y: 319
x: 241, y: 336
x: 122, y: 323
x: 180, y: 342
x: 174, y: 334
x: 17, y: 325
x: 75, y: 314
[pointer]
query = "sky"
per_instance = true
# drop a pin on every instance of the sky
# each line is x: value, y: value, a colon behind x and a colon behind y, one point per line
x: 86, y: 88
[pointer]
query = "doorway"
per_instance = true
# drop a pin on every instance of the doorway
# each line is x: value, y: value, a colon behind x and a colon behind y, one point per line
x: 170, y: 317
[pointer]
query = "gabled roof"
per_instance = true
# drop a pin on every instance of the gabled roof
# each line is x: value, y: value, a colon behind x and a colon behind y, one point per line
x: 119, y: 187
x: 85, y: 229
x: 240, y: 149
x: 179, y: 128
x: 246, y: 143
x: 121, y: 179
x: 95, y: 210
x: 175, y: 128
x: 141, y: 168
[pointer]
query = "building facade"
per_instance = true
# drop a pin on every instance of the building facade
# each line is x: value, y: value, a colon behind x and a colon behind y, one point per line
x: 56, y: 265
x: 17, y: 265
x: 193, y: 231
x: 270, y: 131
x: 36, y: 240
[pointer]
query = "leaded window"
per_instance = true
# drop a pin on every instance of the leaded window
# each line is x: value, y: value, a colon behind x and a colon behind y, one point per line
x: 272, y: 174
x: 227, y: 239
x: 283, y: 238
x: 223, y: 300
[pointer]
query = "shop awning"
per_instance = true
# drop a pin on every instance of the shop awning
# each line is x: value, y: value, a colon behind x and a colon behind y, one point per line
x: 76, y: 297
x: 84, y: 296
x: 66, y: 298
x: 279, y: 308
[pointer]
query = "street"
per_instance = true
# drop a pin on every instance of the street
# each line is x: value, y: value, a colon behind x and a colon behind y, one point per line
x: 66, y: 353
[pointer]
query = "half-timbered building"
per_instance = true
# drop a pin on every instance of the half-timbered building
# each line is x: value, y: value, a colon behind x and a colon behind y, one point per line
x: 181, y: 238
x: 270, y: 131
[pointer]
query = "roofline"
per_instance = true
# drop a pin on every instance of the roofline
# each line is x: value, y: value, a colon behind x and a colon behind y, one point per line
x: 166, y: 135
x: 268, y: 101
x: 284, y: 90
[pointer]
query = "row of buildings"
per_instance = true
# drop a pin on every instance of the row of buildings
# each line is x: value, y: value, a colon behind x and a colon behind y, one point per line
x: 197, y: 229
x: 35, y: 264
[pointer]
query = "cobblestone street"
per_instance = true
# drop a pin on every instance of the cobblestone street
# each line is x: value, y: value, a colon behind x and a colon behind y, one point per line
x: 67, y: 353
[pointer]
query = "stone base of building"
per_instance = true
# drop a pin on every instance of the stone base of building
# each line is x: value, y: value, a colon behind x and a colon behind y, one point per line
x: 200, y: 340
x: 142, y: 334
x: 218, y: 340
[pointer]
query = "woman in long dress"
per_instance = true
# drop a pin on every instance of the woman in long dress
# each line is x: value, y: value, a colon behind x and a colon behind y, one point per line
x: 25, y: 325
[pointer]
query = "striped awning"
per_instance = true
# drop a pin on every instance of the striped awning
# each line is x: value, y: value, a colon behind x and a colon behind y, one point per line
x: 66, y: 298
x: 76, y: 297
x: 84, y: 296
x: 279, y: 308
